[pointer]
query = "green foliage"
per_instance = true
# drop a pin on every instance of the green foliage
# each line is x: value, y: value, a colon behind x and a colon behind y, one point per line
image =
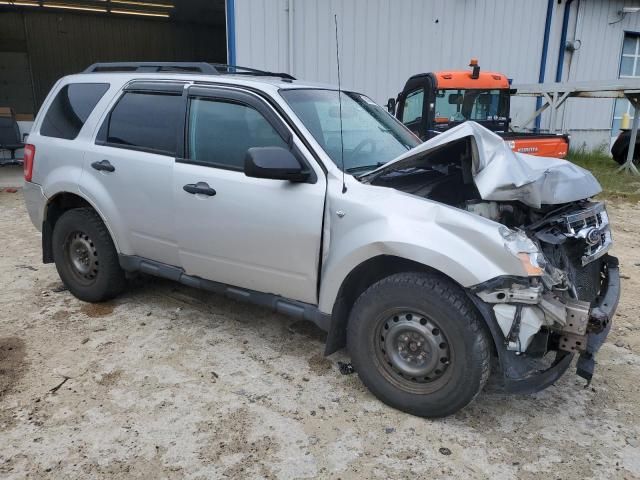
x: 615, y: 185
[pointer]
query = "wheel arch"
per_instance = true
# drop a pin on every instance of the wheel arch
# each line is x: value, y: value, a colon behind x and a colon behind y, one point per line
x: 57, y: 205
x: 362, y: 277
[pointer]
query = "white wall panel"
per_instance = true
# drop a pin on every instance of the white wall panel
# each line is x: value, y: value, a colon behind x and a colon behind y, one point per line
x: 600, y: 32
x: 384, y: 42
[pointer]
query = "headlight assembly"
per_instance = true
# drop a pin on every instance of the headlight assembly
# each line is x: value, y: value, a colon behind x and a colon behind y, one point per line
x: 524, y: 249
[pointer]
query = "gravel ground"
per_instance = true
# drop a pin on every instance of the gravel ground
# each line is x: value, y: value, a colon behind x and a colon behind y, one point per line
x: 171, y: 382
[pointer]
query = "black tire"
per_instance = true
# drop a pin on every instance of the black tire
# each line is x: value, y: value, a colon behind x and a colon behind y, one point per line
x: 85, y: 256
x: 620, y: 149
x: 621, y: 157
x: 442, y: 319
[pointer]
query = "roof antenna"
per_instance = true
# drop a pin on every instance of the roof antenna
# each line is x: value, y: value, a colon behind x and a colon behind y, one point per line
x: 344, y: 185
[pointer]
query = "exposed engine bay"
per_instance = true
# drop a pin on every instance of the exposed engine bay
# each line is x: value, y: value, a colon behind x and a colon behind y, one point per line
x: 565, y: 243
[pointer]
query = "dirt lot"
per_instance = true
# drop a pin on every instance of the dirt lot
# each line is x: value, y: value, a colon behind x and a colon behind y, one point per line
x: 170, y: 382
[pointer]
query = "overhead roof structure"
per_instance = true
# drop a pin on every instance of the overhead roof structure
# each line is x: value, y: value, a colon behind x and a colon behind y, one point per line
x: 555, y: 94
x: 193, y: 11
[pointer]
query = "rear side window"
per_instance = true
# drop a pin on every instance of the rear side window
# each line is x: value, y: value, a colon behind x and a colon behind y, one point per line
x: 70, y: 109
x: 144, y: 121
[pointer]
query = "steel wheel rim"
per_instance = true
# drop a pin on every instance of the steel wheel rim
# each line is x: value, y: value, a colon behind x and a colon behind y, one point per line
x: 82, y: 257
x: 413, y: 351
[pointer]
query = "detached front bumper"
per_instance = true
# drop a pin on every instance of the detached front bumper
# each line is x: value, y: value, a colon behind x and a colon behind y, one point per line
x: 524, y: 374
x: 601, y: 312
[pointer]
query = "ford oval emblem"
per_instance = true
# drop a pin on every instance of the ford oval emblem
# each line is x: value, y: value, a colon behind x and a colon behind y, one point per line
x: 593, y: 236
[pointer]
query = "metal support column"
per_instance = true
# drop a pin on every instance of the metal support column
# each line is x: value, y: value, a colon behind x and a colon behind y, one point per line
x: 628, y: 165
x: 554, y: 110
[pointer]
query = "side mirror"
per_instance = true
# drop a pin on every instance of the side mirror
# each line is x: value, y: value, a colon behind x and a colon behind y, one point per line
x: 276, y: 163
x: 391, y: 106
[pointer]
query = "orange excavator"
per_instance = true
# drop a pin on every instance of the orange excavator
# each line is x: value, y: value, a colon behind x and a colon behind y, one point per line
x: 434, y: 102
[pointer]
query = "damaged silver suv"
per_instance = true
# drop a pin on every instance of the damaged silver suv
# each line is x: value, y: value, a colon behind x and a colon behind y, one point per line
x: 427, y: 261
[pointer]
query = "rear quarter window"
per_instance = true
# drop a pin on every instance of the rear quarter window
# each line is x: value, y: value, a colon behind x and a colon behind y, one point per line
x: 70, y: 109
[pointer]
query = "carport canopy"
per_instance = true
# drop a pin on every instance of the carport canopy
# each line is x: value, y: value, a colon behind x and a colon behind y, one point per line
x: 555, y: 94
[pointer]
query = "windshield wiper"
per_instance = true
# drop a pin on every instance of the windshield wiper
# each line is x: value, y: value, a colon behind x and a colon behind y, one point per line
x: 363, y: 168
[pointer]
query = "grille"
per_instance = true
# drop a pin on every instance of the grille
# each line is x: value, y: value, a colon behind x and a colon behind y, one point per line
x: 590, y: 227
x: 586, y: 279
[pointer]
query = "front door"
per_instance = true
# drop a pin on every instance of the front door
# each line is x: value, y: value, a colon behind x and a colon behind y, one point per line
x: 259, y: 234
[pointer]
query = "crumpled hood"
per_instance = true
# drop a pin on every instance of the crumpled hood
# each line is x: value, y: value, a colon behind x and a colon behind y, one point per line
x: 503, y: 175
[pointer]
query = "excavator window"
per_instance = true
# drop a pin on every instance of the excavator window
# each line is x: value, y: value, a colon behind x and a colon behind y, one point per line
x: 453, y: 106
x: 413, y: 107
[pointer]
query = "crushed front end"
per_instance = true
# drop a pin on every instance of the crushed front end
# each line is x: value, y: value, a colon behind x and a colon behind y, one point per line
x: 562, y: 300
x: 566, y: 304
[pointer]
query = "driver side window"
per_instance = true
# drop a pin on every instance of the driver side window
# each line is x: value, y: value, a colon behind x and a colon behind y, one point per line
x: 412, y: 108
x: 221, y: 132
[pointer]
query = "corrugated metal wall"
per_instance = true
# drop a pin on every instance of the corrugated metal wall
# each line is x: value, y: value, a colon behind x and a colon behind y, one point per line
x: 15, y: 78
x: 58, y: 44
x: 383, y: 42
x: 600, y: 30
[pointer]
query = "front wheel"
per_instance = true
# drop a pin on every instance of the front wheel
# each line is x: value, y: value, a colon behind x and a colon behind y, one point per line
x: 418, y: 344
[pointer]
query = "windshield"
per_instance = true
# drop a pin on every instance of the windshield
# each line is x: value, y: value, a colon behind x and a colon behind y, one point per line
x: 477, y: 105
x: 371, y: 136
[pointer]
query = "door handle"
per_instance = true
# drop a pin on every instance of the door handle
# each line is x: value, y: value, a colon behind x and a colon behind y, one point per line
x: 202, y: 188
x: 103, y: 165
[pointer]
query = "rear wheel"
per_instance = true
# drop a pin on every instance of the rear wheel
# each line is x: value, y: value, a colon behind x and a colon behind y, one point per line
x: 418, y: 344
x: 85, y: 256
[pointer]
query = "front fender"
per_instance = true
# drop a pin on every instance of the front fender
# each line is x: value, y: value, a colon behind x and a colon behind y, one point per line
x: 465, y: 247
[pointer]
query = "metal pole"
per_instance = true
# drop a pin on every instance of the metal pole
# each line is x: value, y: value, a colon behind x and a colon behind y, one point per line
x: 554, y: 110
x: 290, y: 40
x: 628, y: 165
x: 535, y: 115
x: 31, y: 77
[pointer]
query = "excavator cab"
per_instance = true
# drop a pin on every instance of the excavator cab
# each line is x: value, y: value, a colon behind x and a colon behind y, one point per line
x: 431, y: 103
x: 434, y: 102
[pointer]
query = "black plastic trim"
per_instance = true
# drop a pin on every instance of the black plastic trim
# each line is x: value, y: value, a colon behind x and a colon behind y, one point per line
x: 209, y: 164
x: 293, y: 308
x: 47, y: 247
x: 603, y: 311
x: 503, y: 281
x: 163, y: 67
x: 136, y: 148
x: 518, y: 375
x: 146, y: 86
x: 607, y: 301
x: 539, y: 380
x: 184, y: 68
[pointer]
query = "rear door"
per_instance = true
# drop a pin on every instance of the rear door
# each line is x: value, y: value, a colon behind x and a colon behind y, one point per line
x: 128, y: 172
x: 259, y: 234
